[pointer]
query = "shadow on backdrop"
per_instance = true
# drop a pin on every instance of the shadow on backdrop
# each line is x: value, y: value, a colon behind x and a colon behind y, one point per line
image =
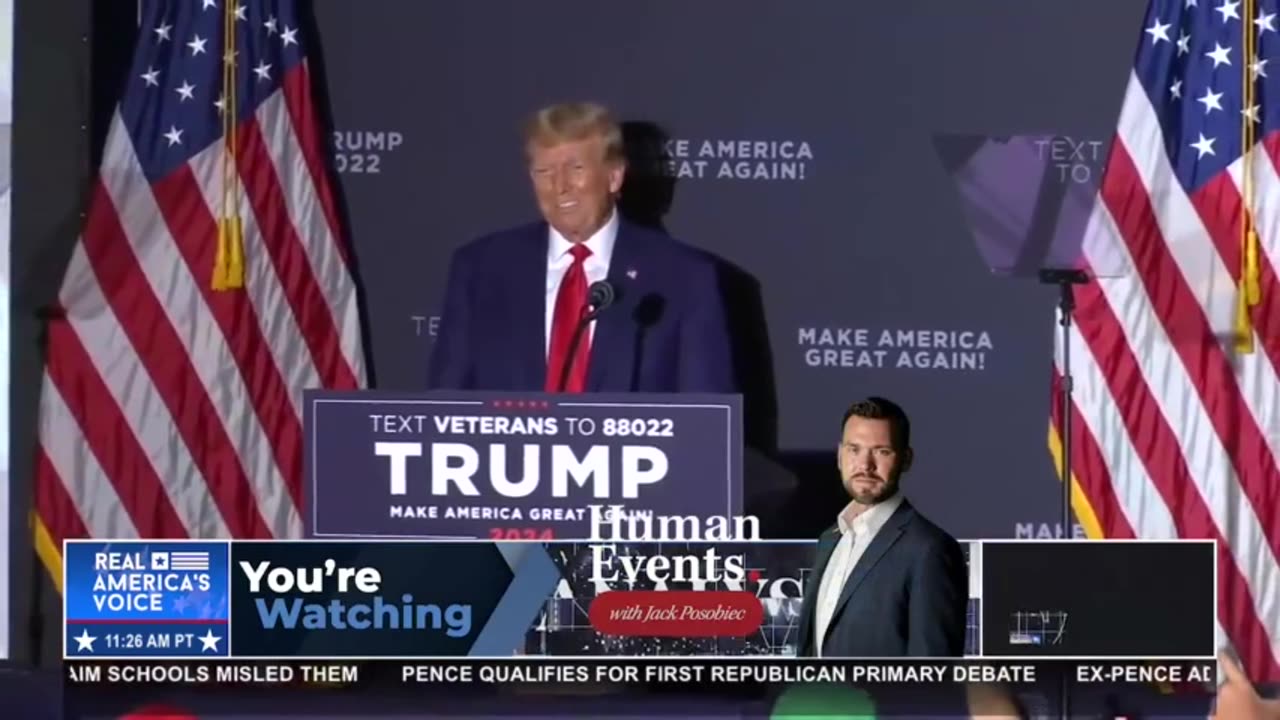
x: 58, y: 140
x: 793, y: 495
x: 648, y: 192
x: 324, y: 120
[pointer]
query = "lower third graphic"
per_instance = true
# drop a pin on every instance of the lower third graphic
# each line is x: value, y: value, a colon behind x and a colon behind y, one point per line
x: 141, y: 599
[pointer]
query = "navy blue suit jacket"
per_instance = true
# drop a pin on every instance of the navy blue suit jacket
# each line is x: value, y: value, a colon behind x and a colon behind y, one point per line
x: 906, y: 597
x: 666, y: 331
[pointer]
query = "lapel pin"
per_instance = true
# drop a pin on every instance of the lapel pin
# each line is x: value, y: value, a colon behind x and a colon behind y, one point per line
x: 631, y: 274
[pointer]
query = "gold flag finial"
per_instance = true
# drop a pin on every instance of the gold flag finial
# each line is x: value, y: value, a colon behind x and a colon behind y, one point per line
x: 1250, y: 292
x: 228, y: 260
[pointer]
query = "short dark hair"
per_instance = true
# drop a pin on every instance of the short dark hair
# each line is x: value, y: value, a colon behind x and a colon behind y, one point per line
x: 878, y: 408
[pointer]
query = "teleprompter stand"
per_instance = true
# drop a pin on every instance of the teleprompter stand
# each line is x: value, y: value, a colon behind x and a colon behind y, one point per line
x: 1066, y: 280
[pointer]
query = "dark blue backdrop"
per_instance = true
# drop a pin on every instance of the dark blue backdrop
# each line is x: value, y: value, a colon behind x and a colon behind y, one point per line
x: 855, y: 223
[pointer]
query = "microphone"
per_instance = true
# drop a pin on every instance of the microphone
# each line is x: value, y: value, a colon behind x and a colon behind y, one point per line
x: 599, y: 297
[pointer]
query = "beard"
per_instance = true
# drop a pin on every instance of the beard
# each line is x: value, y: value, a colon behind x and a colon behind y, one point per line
x: 873, y: 495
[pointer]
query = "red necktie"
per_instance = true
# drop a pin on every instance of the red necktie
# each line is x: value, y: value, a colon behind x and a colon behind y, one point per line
x: 570, y: 306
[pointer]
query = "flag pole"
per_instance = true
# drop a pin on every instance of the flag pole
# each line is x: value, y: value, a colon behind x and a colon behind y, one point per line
x: 228, y: 265
x: 1249, y: 294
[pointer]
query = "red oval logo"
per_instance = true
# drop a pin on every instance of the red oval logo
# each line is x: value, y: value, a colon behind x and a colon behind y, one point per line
x: 676, y: 613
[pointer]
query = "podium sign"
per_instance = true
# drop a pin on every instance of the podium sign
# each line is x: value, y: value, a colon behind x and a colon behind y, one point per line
x: 512, y: 466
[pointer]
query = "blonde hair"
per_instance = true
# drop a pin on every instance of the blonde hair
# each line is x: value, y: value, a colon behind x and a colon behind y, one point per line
x: 571, y: 122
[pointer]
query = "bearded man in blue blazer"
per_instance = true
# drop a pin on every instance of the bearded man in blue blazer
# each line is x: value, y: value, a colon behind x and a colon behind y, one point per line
x: 886, y: 581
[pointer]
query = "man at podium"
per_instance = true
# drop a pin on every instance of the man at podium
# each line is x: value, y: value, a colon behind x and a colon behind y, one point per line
x: 582, y: 300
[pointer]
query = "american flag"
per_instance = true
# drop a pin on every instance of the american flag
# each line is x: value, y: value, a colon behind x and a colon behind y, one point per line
x: 171, y: 401
x: 1176, y: 398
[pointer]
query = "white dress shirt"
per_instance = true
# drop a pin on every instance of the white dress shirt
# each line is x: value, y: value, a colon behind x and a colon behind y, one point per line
x: 596, y: 266
x: 855, y: 536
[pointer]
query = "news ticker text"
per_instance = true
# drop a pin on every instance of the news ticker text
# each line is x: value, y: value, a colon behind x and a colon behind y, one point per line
x: 719, y: 671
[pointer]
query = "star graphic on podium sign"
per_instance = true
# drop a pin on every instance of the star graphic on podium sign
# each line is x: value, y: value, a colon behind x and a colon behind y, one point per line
x: 209, y: 641
x: 84, y: 641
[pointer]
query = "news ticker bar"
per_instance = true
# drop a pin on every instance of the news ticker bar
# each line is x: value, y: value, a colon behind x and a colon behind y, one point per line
x: 640, y: 671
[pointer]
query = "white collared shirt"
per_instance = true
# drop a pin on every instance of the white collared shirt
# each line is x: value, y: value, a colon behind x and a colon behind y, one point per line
x: 855, y: 536
x: 596, y: 266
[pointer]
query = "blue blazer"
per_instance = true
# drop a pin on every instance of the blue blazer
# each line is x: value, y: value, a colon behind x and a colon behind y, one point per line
x: 906, y: 597
x: 666, y: 331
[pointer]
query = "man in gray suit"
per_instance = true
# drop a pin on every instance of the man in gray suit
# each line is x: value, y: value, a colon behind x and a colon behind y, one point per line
x: 886, y: 582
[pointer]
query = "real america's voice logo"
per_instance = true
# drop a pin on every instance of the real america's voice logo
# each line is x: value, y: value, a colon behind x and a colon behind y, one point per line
x: 129, y: 581
x: 145, y: 599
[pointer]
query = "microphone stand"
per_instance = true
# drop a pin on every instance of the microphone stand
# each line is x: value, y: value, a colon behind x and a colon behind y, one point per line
x: 589, y: 314
x: 1065, y: 280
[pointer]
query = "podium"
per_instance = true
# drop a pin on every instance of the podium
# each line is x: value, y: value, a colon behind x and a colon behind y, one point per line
x: 516, y: 466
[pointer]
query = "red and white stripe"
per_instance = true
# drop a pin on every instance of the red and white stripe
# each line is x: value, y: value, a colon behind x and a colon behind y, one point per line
x: 1176, y: 435
x: 170, y: 410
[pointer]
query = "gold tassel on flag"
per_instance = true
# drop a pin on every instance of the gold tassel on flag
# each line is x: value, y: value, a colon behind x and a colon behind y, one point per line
x: 1250, y: 293
x: 228, y: 261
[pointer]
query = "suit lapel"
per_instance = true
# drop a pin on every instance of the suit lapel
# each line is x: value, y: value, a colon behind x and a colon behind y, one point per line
x: 880, y: 544
x: 528, y: 288
x: 613, y: 342
x: 826, y: 545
